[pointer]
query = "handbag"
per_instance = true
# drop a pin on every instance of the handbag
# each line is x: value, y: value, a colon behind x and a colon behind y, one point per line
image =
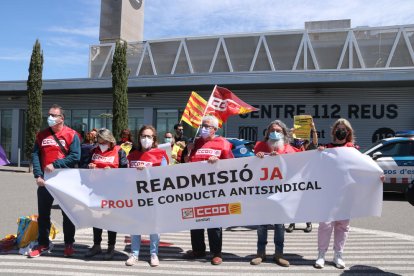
x: 27, y: 230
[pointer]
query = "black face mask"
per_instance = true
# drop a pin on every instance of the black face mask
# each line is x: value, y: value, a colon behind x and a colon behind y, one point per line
x: 340, y: 134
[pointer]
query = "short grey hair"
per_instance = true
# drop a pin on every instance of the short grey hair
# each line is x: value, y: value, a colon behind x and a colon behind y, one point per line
x: 212, y: 119
x: 286, y: 132
x: 106, y: 135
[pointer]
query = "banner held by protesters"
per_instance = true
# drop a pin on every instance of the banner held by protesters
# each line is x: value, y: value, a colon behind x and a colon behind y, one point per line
x: 291, y: 188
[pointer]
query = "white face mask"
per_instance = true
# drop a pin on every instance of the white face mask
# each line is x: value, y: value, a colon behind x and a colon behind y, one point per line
x: 104, y: 147
x: 51, y: 121
x: 204, y: 132
x: 146, y: 143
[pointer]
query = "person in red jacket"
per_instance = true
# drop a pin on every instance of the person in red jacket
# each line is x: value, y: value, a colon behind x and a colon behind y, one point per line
x: 145, y: 155
x: 58, y: 146
x: 208, y: 147
x: 276, y: 141
x: 107, y: 155
x: 342, y: 136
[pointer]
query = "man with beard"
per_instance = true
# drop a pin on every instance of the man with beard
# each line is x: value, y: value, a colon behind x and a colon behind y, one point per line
x: 276, y: 141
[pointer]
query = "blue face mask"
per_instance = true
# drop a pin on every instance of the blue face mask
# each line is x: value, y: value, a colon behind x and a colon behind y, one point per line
x: 167, y: 140
x: 275, y: 136
x: 51, y: 121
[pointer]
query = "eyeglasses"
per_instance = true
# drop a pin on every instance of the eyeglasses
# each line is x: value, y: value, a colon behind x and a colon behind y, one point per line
x: 54, y: 115
x: 146, y: 136
x: 207, y: 126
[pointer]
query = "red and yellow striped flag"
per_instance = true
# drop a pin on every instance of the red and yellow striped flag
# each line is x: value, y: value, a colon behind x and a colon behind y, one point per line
x: 194, y: 110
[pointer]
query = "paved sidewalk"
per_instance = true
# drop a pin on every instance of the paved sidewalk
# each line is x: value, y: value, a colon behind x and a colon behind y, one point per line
x: 14, y: 169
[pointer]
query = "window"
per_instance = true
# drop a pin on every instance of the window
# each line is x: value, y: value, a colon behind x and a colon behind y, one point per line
x: 6, y: 131
x: 135, y: 121
x: 166, y: 119
x: 398, y: 149
x: 79, y: 121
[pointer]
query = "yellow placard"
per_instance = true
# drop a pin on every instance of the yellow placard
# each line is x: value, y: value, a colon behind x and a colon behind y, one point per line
x: 302, y: 125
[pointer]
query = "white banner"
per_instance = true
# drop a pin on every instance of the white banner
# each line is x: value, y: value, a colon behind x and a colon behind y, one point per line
x: 334, y: 184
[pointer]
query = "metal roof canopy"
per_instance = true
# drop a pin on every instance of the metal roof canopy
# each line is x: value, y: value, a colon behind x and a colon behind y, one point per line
x: 290, y: 51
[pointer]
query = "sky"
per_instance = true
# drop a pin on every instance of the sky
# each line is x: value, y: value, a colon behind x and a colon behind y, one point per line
x: 66, y: 28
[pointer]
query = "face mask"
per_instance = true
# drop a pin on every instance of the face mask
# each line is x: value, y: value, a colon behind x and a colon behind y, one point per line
x: 275, y: 136
x: 146, y: 143
x: 297, y: 143
x: 167, y: 140
x: 51, y: 121
x: 204, y: 132
x: 103, y: 147
x: 340, y: 134
x: 123, y: 140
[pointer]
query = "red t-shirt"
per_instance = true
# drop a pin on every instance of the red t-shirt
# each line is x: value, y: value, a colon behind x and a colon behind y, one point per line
x: 347, y: 144
x: 262, y: 146
x: 204, y: 149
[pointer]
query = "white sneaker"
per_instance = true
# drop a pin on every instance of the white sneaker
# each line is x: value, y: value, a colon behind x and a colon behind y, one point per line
x: 154, y: 260
x: 339, y: 262
x: 132, y: 260
x: 320, y: 261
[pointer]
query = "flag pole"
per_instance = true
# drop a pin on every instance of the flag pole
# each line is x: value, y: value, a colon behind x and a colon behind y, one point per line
x: 204, y: 113
x: 205, y: 110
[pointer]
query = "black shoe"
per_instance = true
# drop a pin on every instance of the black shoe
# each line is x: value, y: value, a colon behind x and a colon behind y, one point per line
x: 190, y: 254
x: 109, y: 253
x: 308, y: 227
x: 95, y: 249
x: 290, y: 228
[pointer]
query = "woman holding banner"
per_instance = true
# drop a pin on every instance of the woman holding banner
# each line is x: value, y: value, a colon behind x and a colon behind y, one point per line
x: 145, y: 155
x: 106, y: 155
x: 342, y: 136
x: 276, y: 141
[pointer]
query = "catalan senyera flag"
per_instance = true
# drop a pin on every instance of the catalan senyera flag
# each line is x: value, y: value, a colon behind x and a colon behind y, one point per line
x: 223, y: 103
x: 194, y: 110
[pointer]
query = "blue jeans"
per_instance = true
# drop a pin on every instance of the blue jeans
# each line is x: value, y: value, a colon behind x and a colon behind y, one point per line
x: 136, y: 244
x: 279, y: 238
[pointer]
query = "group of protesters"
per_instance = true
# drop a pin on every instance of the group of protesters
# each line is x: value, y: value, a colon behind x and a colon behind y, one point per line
x: 59, y: 146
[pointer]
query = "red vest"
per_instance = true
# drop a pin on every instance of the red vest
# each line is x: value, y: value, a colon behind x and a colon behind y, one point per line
x: 218, y: 146
x: 262, y: 146
x: 109, y: 158
x: 49, y: 149
x: 150, y: 158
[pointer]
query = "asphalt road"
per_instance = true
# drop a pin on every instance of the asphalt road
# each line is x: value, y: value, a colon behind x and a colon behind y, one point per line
x: 380, y: 246
x: 18, y: 198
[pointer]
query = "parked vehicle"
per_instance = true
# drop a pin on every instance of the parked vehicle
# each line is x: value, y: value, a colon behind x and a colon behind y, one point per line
x: 395, y: 156
x: 241, y: 147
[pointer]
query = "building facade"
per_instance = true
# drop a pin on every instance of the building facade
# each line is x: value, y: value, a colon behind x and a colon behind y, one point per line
x: 328, y: 70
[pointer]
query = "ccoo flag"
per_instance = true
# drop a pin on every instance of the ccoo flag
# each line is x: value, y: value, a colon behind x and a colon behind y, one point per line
x: 224, y: 103
x: 194, y: 110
